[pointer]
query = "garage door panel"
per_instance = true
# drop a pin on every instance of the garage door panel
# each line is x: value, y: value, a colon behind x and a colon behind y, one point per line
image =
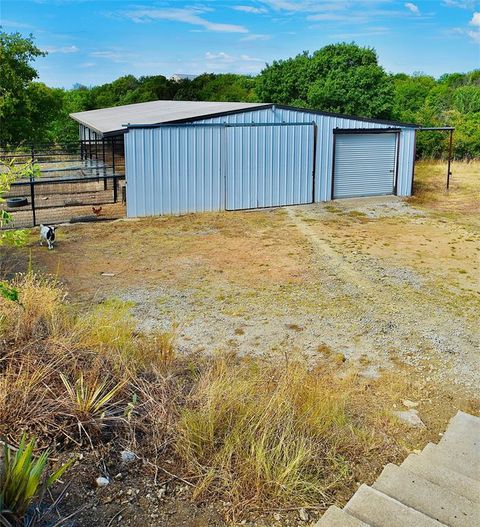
x: 364, y: 164
x: 268, y: 166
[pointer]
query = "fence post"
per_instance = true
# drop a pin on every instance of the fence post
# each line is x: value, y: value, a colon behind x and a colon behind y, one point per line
x: 104, y: 168
x: 32, y: 199
x: 449, y: 173
x: 113, y: 155
x: 33, y: 153
x: 115, y: 189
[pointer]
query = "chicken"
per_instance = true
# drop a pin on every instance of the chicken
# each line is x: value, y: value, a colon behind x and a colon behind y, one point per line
x: 97, y: 210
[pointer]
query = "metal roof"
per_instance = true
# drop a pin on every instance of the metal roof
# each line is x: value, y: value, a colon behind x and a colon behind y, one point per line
x: 115, y: 119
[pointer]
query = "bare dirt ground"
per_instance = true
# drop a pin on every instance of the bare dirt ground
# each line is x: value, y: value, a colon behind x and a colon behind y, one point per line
x: 380, y: 283
x: 377, y: 280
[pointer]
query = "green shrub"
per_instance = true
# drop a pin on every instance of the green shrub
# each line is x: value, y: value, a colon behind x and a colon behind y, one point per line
x: 23, y: 480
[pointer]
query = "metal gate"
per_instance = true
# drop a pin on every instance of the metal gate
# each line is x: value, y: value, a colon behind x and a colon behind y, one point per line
x: 269, y: 165
x: 365, y: 163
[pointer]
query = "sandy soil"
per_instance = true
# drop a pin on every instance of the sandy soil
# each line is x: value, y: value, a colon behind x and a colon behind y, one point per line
x: 378, y: 280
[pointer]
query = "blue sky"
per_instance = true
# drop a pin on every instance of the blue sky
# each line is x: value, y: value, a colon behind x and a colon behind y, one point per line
x: 95, y: 41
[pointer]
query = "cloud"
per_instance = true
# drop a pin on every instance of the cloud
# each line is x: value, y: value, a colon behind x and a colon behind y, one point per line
x: 87, y: 64
x: 475, y: 20
x: 251, y: 9
x: 310, y: 6
x: 368, y: 32
x: 287, y: 5
x: 462, y: 4
x: 413, y: 8
x: 250, y: 59
x: 225, y: 57
x: 220, y: 62
x: 60, y: 49
x: 187, y: 16
x: 255, y: 36
x: 16, y: 25
x: 117, y: 56
x: 474, y: 34
x: 332, y: 16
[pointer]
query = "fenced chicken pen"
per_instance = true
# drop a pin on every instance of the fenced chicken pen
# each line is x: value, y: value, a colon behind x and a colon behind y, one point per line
x: 78, y: 181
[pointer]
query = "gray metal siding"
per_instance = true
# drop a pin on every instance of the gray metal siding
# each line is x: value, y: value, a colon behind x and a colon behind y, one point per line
x: 174, y: 170
x: 268, y: 166
x: 324, y: 157
x: 364, y: 164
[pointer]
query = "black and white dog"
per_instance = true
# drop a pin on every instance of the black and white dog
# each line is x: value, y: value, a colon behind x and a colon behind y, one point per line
x: 47, y: 233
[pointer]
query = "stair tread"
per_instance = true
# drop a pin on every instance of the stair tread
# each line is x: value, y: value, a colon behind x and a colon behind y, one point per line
x: 380, y: 510
x: 427, y: 497
x: 463, y: 436
x: 443, y: 476
x: 452, y: 460
x: 335, y: 517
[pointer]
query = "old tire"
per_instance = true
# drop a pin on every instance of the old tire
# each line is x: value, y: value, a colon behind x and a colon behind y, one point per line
x: 17, y: 202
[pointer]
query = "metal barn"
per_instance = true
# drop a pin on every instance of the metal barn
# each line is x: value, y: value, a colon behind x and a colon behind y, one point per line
x: 185, y: 157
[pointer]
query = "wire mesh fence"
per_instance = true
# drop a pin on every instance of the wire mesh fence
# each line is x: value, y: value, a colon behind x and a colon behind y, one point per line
x: 82, y: 181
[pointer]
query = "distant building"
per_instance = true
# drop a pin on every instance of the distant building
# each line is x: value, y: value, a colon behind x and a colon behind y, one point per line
x: 177, y: 77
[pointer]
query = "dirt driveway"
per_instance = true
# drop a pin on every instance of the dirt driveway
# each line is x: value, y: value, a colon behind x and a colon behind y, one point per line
x: 376, y: 281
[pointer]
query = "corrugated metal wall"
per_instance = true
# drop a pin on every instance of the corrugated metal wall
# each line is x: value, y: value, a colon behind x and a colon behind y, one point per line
x: 174, y: 170
x: 324, y: 158
x: 178, y: 169
x: 268, y: 166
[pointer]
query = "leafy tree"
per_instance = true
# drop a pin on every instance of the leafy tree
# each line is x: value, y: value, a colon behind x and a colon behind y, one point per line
x: 284, y: 81
x: 16, y: 73
x: 43, y: 105
x: 221, y: 87
x: 410, y: 95
x: 466, y: 99
x: 343, y: 78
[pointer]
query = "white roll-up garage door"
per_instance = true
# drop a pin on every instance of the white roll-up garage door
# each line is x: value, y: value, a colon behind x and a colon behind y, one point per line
x: 364, y: 164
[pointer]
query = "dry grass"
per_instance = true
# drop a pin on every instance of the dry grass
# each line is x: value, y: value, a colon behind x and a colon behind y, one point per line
x: 430, y: 186
x: 245, y: 431
x: 284, y: 435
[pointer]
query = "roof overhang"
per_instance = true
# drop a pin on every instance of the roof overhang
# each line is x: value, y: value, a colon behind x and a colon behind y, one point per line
x: 116, y: 120
x: 436, y: 128
x: 113, y: 120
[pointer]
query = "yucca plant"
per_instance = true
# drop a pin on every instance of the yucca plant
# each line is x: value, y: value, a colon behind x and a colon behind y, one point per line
x: 23, y: 480
x: 91, y: 398
x: 92, y: 402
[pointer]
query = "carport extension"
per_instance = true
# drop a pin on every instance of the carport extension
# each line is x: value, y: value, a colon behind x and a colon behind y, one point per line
x: 449, y: 129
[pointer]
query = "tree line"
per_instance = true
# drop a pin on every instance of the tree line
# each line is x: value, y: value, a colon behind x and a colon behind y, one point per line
x: 341, y: 78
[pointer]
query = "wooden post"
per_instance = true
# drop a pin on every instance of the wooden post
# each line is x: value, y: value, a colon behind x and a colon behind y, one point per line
x: 449, y: 173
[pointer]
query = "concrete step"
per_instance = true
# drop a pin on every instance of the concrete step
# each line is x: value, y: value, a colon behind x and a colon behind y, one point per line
x: 335, y: 517
x: 379, y: 510
x: 443, y: 476
x: 451, y: 459
x: 427, y: 497
x: 463, y: 436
